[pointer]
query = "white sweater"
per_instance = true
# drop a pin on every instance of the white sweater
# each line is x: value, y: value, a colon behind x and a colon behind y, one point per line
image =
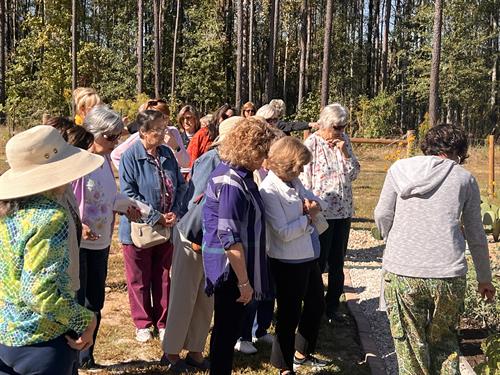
x: 288, y: 229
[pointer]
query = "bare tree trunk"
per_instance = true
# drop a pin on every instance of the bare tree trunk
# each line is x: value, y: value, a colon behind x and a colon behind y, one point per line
x: 239, y: 51
x: 385, y: 43
x: 308, y: 50
x: 174, y: 50
x: 303, y: 43
x: 140, y: 38
x: 436, y: 59
x: 495, y: 42
x: 3, y: 95
x: 74, y: 50
x: 250, y: 51
x: 376, y: 49
x: 325, y: 74
x: 156, y: 41
x: 285, y: 68
x: 273, y: 38
x: 369, y: 49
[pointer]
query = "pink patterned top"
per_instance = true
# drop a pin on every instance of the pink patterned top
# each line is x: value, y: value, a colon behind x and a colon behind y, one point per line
x: 329, y: 176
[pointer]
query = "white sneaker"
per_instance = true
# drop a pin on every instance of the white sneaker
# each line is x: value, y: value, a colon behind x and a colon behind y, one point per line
x: 266, y: 339
x: 161, y: 334
x: 245, y: 347
x: 143, y: 334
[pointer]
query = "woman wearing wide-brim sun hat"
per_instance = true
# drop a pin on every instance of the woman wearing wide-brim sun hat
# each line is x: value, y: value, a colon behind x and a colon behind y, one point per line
x: 41, y: 325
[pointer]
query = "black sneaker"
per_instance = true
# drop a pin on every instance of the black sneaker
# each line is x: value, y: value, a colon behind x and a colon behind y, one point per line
x: 310, y: 361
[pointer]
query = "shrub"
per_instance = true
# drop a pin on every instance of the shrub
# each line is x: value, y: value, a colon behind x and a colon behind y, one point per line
x: 377, y: 117
x: 491, y: 349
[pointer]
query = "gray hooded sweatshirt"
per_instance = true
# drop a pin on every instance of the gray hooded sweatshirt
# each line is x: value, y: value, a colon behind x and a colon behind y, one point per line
x: 419, y: 215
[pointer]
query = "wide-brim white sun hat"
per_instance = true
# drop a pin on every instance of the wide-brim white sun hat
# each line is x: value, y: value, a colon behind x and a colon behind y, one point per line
x: 41, y: 160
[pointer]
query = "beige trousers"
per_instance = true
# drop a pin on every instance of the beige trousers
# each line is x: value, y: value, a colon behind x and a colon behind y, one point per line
x: 190, y: 310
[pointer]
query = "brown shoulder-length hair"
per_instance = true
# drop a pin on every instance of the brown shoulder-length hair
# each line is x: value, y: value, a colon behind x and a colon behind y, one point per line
x: 191, y: 109
x: 287, y: 157
x: 247, y: 141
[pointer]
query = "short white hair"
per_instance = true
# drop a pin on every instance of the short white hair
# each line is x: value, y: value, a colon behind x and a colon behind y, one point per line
x: 267, y: 112
x: 333, y: 115
x: 102, y: 120
x: 279, y: 106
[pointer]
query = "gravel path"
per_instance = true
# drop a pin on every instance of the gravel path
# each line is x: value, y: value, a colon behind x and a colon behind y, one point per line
x: 364, y: 261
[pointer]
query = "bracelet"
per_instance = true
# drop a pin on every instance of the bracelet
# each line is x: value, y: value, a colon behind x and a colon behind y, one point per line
x: 242, y: 285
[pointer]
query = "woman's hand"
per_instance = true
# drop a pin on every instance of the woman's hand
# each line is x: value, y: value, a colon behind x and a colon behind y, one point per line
x: 311, y: 207
x: 342, y: 146
x: 87, y: 233
x: 170, y: 219
x: 487, y: 291
x: 170, y: 140
x: 246, y: 292
x: 86, y: 339
x: 133, y: 214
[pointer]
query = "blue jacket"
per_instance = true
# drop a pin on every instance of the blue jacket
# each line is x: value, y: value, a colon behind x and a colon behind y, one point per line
x: 200, y: 172
x: 140, y: 180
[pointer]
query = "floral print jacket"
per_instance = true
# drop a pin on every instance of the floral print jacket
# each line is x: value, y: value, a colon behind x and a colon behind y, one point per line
x: 329, y: 176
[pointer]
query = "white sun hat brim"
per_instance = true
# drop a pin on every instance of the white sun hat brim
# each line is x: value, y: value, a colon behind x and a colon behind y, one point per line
x: 68, y: 164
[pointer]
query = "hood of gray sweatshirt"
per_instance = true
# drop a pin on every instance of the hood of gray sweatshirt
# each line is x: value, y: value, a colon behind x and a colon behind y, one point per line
x: 420, y: 175
x: 422, y: 206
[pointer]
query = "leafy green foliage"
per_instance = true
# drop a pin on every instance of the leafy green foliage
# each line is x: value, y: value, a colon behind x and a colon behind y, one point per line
x: 376, y: 117
x: 490, y: 214
x: 491, y: 349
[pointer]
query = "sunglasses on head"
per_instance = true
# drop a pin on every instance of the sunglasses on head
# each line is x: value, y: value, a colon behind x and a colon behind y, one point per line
x: 155, y: 102
x: 111, y: 137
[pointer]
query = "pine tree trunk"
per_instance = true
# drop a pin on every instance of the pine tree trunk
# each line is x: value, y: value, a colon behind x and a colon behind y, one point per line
x: 376, y: 49
x: 436, y: 58
x: 369, y: 49
x: 239, y: 51
x: 273, y: 39
x: 285, y: 67
x: 250, y: 50
x: 385, y: 43
x: 156, y: 41
x: 303, y: 43
x: 495, y: 42
x: 3, y: 95
x: 325, y: 74
x: 74, y: 50
x: 140, y: 38
x: 308, y: 50
x: 174, y: 50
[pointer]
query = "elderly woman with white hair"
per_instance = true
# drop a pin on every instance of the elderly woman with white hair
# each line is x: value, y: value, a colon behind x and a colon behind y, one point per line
x: 95, y: 194
x: 329, y: 176
x: 275, y: 110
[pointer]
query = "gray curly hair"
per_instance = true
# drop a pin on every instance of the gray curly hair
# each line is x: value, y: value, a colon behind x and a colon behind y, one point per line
x: 103, y: 120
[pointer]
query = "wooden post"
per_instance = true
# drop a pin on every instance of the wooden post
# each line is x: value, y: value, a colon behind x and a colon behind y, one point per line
x: 410, y: 145
x: 45, y: 118
x: 491, y: 166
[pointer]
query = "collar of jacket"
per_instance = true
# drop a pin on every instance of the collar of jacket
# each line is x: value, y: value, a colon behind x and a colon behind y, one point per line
x: 283, y: 186
x: 140, y: 151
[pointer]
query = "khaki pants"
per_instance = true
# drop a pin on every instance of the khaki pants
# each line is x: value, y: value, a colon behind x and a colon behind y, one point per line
x: 190, y: 310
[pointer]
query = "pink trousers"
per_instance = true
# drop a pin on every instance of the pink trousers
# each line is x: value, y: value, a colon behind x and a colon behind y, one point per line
x: 148, y: 283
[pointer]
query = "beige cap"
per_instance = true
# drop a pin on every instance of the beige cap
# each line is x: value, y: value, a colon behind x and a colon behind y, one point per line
x: 224, y: 128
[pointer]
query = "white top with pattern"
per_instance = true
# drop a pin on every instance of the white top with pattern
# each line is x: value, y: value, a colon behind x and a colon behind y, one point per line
x: 329, y: 176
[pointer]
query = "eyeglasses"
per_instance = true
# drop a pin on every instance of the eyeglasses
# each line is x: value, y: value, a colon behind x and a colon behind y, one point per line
x: 340, y: 127
x: 272, y: 121
x: 111, y: 137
